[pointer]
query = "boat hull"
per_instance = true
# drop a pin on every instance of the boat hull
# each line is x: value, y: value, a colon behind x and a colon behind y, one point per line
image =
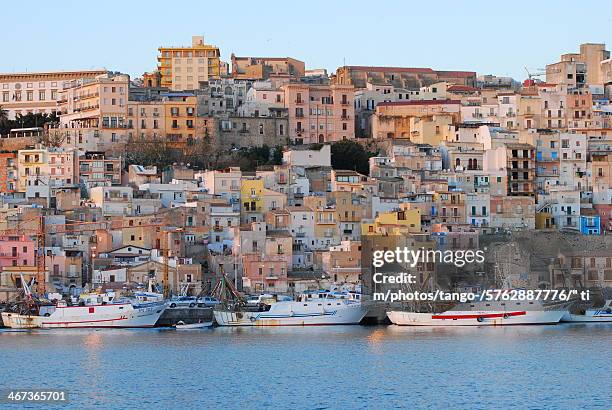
x: 475, y: 318
x: 347, y: 315
x: 589, y: 317
x: 16, y: 321
x: 99, y: 316
x: 191, y: 326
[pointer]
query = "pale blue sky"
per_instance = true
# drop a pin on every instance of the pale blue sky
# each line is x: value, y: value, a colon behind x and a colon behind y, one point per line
x: 488, y: 37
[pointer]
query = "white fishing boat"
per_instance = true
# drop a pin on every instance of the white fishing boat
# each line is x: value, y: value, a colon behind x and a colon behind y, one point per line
x: 484, y: 313
x: 94, y: 311
x: 601, y: 314
x: 313, y: 308
x: 188, y: 326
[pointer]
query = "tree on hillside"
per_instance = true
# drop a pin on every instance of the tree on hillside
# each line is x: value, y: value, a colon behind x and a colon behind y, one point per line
x: 4, y: 121
x: 151, y: 152
x: 29, y: 120
x: 351, y: 155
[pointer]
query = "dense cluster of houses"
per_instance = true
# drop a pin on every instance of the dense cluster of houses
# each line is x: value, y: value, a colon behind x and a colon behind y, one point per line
x: 455, y: 156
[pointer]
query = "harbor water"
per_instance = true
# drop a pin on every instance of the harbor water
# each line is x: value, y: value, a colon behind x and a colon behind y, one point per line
x: 563, y: 366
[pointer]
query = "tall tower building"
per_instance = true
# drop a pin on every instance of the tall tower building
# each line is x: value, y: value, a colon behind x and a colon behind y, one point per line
x: 183, y: 68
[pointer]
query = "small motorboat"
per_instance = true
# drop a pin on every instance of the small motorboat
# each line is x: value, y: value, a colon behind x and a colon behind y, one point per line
x: 201, y: 325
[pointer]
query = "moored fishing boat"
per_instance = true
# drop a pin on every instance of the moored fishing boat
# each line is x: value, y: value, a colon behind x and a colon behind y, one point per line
x: 313, y: 308
x: 94, y: 311
x: 485, y: 313
x: 593, y: 315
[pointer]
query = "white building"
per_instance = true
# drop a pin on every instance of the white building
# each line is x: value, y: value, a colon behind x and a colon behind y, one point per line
x: 308, y: 157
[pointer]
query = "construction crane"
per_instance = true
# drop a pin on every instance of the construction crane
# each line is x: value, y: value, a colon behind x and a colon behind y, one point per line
x: 531, y: 76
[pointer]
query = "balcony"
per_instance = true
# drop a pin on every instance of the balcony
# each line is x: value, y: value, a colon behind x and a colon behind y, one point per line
x: 299, y: 115
x: 299, y: 101
x: 300, y: 235
x: 299, y: 130
x: 218, y: 228
x: 348, y: 231
x: 345, y: 117
x: 345, y: 102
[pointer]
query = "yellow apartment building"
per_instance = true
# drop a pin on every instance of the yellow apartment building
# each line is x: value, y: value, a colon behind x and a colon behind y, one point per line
x: 183, y: 68
x: 181, y: 122
x: 251, y: 199
x: 395, y: 222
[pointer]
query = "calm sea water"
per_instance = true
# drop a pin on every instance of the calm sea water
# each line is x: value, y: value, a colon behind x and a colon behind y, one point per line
x: 564, y: 366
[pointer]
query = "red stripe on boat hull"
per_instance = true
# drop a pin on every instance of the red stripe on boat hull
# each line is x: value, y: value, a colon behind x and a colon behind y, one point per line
x: 484, y: 316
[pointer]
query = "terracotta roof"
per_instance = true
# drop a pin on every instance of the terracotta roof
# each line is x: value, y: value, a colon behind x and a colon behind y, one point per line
x: 457, y: 87
x: 422, y: 102
x: 390, y: 69
x: 457, y: 73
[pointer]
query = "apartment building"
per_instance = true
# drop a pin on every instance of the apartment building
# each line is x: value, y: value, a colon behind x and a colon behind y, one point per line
x: 579, y: 106
x: 8, y: 172
x: 520, y: 166
x: 98, y: 104
x: 579, y: 69
x: 262, y: 100
x: 320, y: 113
x: 184, y: 68
x: 16, y: 250
x: 146, y: 119
x: 37, y: 92
x: 393, y: 119
x: 225, y: 183
x: 182, y: 126
x: 262, y: 68
x: 96, y: 169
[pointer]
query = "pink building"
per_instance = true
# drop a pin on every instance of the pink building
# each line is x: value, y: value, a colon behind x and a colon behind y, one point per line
x: 16, y: 251
x: 63, y: 167
x: 264, y: 273
x: 320, y: 113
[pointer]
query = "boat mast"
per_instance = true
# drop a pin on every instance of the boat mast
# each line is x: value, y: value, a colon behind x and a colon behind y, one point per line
x: 166, y: 252
x: 40, y: 256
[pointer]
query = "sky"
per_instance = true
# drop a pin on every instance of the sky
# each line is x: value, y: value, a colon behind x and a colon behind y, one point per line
x: 489, y: 37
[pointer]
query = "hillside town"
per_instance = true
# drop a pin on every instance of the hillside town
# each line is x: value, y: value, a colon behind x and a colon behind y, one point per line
x: 274, y: 174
